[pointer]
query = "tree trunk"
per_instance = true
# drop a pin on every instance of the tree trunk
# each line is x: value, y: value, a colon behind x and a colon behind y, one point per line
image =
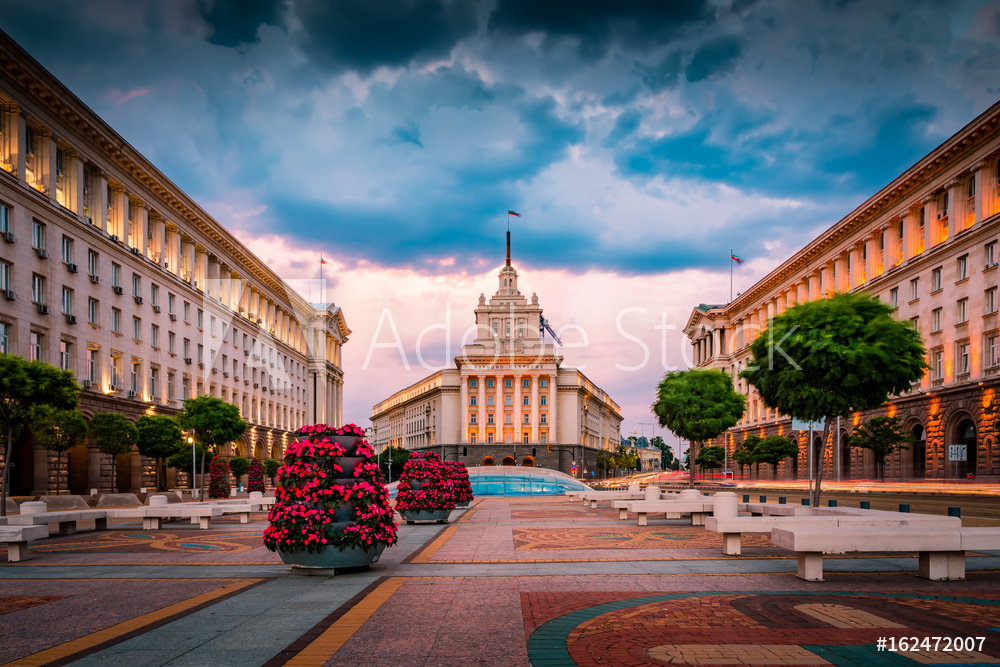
x: 201, y: 492
x: 114, y: 473
x: 690, y: 467
x: 818, y: 463
x: 6, y: 470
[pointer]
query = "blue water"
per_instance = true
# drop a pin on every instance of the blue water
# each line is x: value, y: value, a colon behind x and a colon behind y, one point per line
x: 517, y: 481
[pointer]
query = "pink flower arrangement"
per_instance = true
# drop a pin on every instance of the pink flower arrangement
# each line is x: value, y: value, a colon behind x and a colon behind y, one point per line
x: 312, y: 485
x: 436, y: 490
x: 460, y: 480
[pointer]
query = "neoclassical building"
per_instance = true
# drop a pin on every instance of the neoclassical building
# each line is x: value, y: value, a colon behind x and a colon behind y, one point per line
x: 926, y: 243
x: 508, y: 401
x: 109, y: 270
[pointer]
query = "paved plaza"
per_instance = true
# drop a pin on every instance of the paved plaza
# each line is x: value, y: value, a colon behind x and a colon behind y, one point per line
x: 511, y: 581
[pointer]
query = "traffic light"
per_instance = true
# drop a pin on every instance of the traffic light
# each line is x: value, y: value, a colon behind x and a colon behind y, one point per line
x: 549, y: 447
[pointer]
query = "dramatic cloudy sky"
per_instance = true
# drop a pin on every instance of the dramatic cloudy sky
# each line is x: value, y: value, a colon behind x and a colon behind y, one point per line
x: 641, y: 141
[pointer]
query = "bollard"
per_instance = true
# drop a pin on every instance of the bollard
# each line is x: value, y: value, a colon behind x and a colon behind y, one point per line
x: 865, y: 505
x: 763, y: 499
x: 805, y: 502
x: 832, y: 502
x: 955, y: 511
x: 781, y: 500
x: 746, y: 497
x: 904, y: 507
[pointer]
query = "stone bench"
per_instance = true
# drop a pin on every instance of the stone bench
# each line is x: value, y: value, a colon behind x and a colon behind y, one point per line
x: 941, y: 553
x: 241, y: 507
x: 699, y: 510
x: 772, y: 509
x: 17, y: 537
x: 66, y: 519
x: 153, y: 517
x: 593, y: 497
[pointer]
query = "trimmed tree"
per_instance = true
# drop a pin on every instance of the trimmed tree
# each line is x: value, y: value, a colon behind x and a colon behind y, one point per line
x: 882, y: 436
x: 391, y: 461
x: 666, y: 452
x: 160, y: 437
x: 832, y: 357
x: 23, y: 385
x: 744, y: 456
x: 698, y: 405
x: 113, y: 434
x: 215, y: 424
x: 57, y: 430
x: 240, y: 466
x: 182, y: 460
x: 255, y: 477
x: 710, y: 457
x: 774, y: 450
x: 271, y: 469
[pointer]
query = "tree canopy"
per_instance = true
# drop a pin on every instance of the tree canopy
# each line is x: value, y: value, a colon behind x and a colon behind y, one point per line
x: 214, y: 422
x: 830, y: 357
x: 24, y: 384
x: 57, y: 430
x: 159, y: 437
x: 113, y: 434
x: 666, y: 452
x: 710, y: 457
x: 698, y: 404
x: 882, y: 436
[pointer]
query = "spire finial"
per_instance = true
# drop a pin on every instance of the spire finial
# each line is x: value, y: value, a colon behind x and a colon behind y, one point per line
x: 508, y: 247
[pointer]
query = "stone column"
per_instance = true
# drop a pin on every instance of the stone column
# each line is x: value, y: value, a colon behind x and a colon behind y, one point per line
x: 78, y: 180
x: 534, y: 407
x: 956, y: 206
x: 980, y: 173
x: 47, y: 163
x: 15, y: 140
x: 481, y: 408
x: 201, y: 268
x: 463, y: 414
x: 141, y: 234
x: 516, y: 412
x: 874, y: 266
x: 553, y: 408
x: 930, y: 223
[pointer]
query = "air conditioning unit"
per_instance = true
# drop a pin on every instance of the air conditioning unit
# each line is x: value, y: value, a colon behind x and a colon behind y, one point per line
x: 42, y: 253
x: 138, y: 299
x: 136, y: 251
x: 201, y: 364
x: 95, y: 279
x: 214, y: 371
x: 187, y: 360
x: 246, y: 381
x: 72, y: 268
x: 87, y: 384
x: 256, y: 357
x: 43, y: 309
x: 156, y: 309
x: 173, y: 317
x: 9, y: 237
x: 236, y: 378
x: 272, y: 364
x: 114, y: 237
x: 8, y: 294
x: 131, y: 394
x: 256, y: 385
x: 71, y: 319
x: 225, y: 374
x: 119, y: 290
x: 246, y: 353
x: 113, y: 388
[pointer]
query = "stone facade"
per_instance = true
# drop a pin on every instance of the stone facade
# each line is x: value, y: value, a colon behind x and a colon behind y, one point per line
x: 508, y: 386
x: 927, y: 244
x: 109, y: 270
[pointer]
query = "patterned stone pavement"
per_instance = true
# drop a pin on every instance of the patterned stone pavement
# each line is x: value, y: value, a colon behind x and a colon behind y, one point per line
x: 519, y: 581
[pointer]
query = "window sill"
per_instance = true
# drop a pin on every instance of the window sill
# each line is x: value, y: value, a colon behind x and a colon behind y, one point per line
x: 962, y: 280
x: 912, y: 301
x: 990, y: 267
x: 962, y: 324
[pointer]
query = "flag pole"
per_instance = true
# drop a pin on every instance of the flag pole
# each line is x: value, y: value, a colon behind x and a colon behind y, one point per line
x: 321, y: 263
x: 730, y: 276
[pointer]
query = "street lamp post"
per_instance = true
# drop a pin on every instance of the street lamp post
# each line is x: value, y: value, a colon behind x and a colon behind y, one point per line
x: 193, y: 467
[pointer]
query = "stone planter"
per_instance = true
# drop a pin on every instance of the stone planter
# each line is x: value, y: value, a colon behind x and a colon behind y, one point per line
x: 348, y: 442
x: 350, y: 464
x: 463, y: 503
x: 437, y: 516
x: 332, y: 558
x: 415, y: 484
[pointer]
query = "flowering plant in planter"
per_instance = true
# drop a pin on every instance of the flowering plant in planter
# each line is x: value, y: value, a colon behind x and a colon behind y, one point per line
x: 460, y: 481
x: 425, y: 485
x: 255, y: 478
x: 324, y: 498
x: 218, y: 471
x: 325, y: 430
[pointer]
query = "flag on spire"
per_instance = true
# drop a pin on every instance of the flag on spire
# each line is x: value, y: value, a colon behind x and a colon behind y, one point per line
x: 515, y: 213
x: 733, y: 257
x: 321, y: 260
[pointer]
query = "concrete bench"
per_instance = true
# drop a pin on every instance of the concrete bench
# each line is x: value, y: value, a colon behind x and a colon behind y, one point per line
x: 699, y: 510
x: 17, y: 537
x: 593, y: 497
x: 152, y: 517
x: 241, y: 507
x: 66, y: 519
x: 772, y: 509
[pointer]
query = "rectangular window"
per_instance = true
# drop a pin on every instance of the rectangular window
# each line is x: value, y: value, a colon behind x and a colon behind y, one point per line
x: 65, y: 356
x: 93, y: 365
x: 134, y: 375
x: 154, y: 294
x: 543, y: 382
x: 211, y: 324
x: 894, y: 297
x: 935, y: 320
x: 67, y: 301
x: 136, y: 285
x: 990, y: 254
x: 154, y: 382
x: 914, y: 289
x: 170, y: 303
x: 472, y: 418
x: 37, y: 289
x: 235, y: 332
x: 525, y: 419
x: 507, y: 418
x: 963, y: 267
x: 171, y: 342
x: 962, y: 311
x: 201, y: 319
x: 525, y: 400
x: 991, y: 351
x: 937, y: 364
x: 37, y: 235
x: 490, y: 383
x: 5, y: 281
x: 187, y: 348
x: 473, y: 383
x: 116, y: 320
x: 186, y: 388
x: 92, y: 306
x: 154, y: 335
x: 4, y: 219
x: 92, y: 259
x: 489, y: 418
x: 543, y: 400
x: 187, y: 311
x: 526, y: 383
x: 990, y: 301
x: 542, y: 418
x: 201, y: 354
x: 136, y: 328
x: 116, y: 275
x: 936, y: 279
x: 35, y: 347
x: 472, y: 401
x: 67, y: 250
x: 495, y: 327
x: 508, y: 383
x: 489, y: 400
x: 962, y: 361
x: 921, y: 231
x: 489, y: 438
x: 116, y: 372
x: 472, y: 438
x: 170, y: 386
x: 508, y: 400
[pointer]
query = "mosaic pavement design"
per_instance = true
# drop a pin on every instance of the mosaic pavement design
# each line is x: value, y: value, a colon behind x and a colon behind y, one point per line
x: 146, y: 542
x: 630, y: 537
x: 765, y: 628
x: 564, y: 513
x: 9, y: 603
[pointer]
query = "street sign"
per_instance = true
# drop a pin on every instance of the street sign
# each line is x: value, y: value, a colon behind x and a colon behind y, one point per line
x: 957, y: 452
x: 802, y: 425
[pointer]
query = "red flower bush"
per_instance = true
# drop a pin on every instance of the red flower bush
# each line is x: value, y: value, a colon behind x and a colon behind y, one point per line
x: 313, y: 485
x: 255, y: 478
x: 436, y: 489
x: 462, y: 486
x: 218, y: 480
